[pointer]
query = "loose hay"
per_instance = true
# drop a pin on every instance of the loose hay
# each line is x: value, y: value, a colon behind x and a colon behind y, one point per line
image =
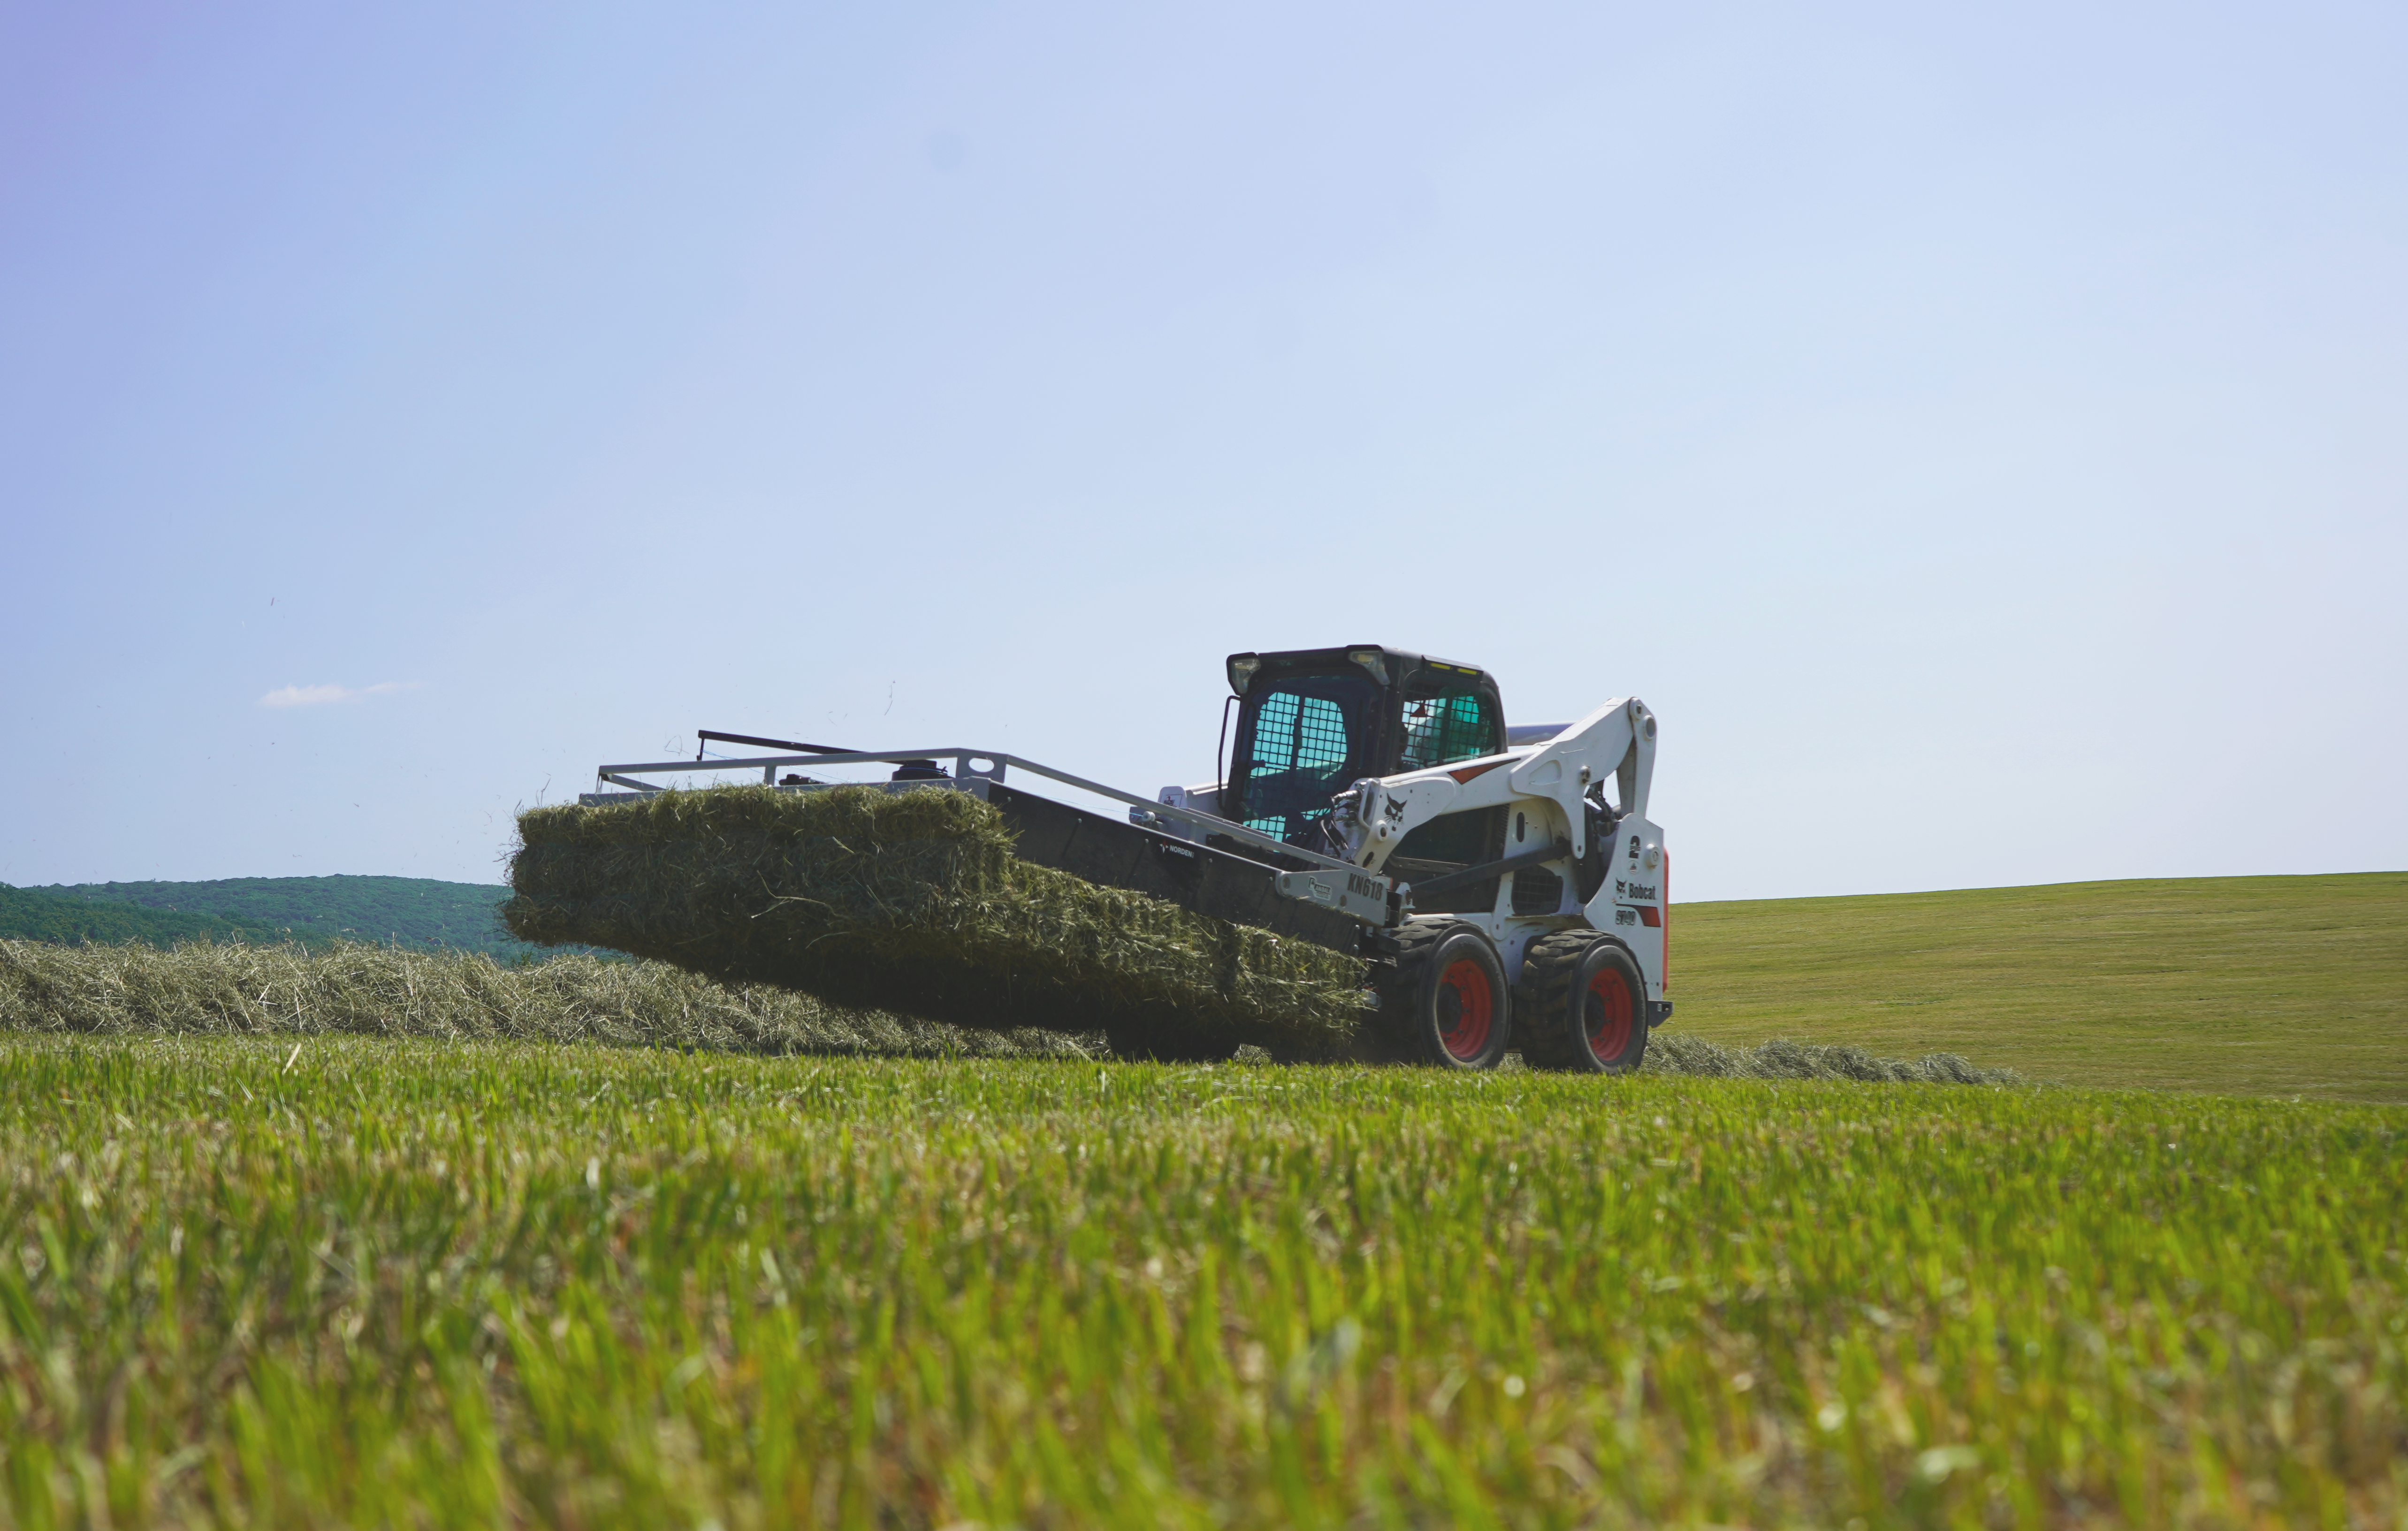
x: 911, y: 902
x: 1677, y: 1052
x: 384, y: 992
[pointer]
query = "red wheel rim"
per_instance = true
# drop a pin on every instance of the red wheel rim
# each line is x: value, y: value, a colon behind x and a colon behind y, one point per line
x: 1608, y: 1018
x: 1466, y: 1008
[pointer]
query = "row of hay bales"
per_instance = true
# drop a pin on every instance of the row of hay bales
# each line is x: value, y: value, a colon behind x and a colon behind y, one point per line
x: 912, y: 902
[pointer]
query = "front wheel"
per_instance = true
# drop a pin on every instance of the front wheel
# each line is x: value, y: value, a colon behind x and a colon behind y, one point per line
x: 1588, y: 1011
x: 1447, y: 1004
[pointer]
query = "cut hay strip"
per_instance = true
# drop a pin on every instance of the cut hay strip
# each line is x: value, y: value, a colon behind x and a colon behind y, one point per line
x: 911, y: 902
x: 1677, y: 1052
x: 376, y: 991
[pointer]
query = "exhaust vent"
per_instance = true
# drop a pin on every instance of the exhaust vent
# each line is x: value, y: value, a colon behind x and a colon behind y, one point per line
x: 1537, y: 891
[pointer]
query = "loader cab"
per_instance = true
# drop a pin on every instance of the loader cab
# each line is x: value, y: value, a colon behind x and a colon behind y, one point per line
x: 1312, y: 722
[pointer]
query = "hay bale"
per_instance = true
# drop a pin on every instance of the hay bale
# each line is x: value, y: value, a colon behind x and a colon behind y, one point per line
x: 914, y: 902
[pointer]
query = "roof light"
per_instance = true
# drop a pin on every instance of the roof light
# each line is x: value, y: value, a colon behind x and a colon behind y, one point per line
x: 1372, y: 659
x: 1241, y: 670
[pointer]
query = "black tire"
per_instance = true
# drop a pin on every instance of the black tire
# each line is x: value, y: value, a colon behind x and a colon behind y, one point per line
x: 1446, y: 1002
x: 1587, y: 1005
x: 1135, y: 1040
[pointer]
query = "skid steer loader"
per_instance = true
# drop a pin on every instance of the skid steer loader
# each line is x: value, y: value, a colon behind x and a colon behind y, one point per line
x: 1375, y: 802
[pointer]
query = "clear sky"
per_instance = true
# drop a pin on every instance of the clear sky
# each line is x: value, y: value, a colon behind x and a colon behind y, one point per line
x: 1981, y: 433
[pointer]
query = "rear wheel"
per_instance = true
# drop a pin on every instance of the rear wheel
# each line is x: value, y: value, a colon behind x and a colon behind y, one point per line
x: 1588, y: 1005
x: 1446, y: 1002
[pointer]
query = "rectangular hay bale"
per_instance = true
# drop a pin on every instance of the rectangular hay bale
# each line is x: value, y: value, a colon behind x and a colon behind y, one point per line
x: 914, y: 901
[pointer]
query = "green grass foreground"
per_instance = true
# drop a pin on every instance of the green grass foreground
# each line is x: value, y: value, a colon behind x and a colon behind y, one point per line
x: 399, y: 1283
x: 2250, y: 985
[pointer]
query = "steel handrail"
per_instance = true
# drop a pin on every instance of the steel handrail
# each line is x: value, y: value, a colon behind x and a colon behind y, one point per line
x: 769, y: 765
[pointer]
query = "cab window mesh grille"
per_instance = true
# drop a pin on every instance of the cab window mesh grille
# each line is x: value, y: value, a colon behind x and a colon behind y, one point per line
x: 1301, y: 743
x: 1441, y: 730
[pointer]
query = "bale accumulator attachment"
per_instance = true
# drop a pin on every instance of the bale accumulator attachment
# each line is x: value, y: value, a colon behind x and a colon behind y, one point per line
x: 914, y: 900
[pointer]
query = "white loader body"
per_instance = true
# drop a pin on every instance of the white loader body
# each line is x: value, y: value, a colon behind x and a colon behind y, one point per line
x: 1547, y: 778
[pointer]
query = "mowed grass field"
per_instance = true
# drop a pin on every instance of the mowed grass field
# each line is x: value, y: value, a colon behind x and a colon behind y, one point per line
x: 363, y: 1281
x: 2271, y: 986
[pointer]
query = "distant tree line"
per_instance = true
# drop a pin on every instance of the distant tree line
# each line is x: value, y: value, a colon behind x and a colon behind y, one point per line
x: 419, y: 912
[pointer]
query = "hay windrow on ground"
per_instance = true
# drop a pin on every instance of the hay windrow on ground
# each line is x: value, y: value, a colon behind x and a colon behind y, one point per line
x: 1677, y: 1052
x: 908, y: 901
x: 379, y: 990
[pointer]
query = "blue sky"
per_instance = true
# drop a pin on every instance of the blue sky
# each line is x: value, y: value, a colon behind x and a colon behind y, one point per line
x: 1977, y: 432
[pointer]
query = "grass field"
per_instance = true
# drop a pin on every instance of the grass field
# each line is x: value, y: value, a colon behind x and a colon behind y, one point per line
x: 2271, y: 985
x: 260, y: 1282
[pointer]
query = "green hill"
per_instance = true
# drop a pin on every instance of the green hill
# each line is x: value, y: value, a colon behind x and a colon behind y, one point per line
x: 29, y: 915
x: 412, y: 912
x: 2246, y: 985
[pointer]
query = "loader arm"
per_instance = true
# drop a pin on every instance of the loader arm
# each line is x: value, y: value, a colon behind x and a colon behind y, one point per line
x: 1618, y: 740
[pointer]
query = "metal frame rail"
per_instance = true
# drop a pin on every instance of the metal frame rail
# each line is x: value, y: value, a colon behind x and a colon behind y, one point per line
x: 996, y: 761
